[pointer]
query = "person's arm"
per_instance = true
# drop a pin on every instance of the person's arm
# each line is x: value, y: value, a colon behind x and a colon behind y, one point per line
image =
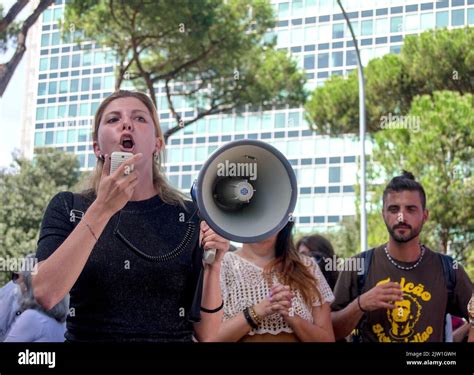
x: 319, y: 331
x: 344, y: 321
x: 208, y: 327
x: 470, y: 338
x: 57, y: 274
x: 235, y: 328
x: 379, y: 297
x: 461, y: 333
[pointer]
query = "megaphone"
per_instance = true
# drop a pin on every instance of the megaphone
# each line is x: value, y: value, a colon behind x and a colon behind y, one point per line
x: 246, y: 192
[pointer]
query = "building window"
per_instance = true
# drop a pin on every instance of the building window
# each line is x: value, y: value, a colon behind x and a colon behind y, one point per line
x: 309, y: 62
x: 39, y: 139
x: 84, y: 109
x: 61, y: 137
x: 280, y: 120
x: 457, y: 17
x: 45, y: 40
x: 91, y: 160
x: 337, y: 59
x: 55, y: 39
x: 338, y: 30
x: 44, y: 64
x: 367, y: 27
x: 49, y: 138
x: 334, y: 174
x: 41, y: 89
x: 74, y: 85
x: 85, y: 83
x: 72, y: 110
x: 470, y: 16
x: 76, y: 60
x: 381, y: 26
x: 323, y: 60
x: 283, y: 11
x: 53, y: 88
x: 71, y: 136
x: 396, y: 24
x: 186, y: 181
x: 427, y: 21
x: 411, y: 22
x: 293, y: 119
x: 442, y: 19
x: 351, y: 58
x: 96, y: 83
x: 63, y: 86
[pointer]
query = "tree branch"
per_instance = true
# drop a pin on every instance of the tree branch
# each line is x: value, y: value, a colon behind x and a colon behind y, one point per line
x: 215, y: 108
x: 16, y: 8
x: 8, y: 69
x: 188, y: 64
x: 171, y: 106
x: 146, y: 75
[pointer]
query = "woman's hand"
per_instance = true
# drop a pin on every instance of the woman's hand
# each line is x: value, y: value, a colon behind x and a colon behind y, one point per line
x: 278, y: 301
x: 281, y: 299
x: 211, y: 240
x: 115, y: 190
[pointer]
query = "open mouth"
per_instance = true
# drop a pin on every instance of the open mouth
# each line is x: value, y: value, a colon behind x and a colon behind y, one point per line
x: 127, y: 142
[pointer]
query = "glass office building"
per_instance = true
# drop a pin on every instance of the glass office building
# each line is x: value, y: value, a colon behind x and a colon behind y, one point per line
x: 66, y: 84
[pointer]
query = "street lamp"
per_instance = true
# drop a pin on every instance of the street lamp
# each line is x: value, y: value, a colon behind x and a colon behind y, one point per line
x: 362, y: 127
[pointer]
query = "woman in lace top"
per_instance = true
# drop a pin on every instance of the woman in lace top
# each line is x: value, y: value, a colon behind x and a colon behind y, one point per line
x: 272, y: 293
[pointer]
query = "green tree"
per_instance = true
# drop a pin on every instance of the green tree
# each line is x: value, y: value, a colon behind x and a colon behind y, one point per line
x: 25, y: 191
x: 435, y: 60
x: 213, y: 54
x: 440, y: 154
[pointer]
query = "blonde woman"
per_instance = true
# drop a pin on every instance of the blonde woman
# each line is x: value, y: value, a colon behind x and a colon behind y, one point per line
x: 272, y: 293
x: 127, y: 249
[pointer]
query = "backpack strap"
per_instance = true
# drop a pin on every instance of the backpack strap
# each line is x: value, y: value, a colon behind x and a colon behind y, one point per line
x: 449, y: 277
x: 362, y: 277
x: 366, y: 257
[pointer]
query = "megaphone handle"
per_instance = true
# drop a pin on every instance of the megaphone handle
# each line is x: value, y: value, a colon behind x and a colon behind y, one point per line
x: 209, y: 255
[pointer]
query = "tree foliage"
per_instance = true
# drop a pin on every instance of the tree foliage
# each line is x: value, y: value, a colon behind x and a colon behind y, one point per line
x: 213, y: 54
x: 25, y: 191
x: 435, y: 60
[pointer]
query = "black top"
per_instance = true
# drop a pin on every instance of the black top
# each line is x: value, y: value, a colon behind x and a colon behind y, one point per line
x: 142, y: 276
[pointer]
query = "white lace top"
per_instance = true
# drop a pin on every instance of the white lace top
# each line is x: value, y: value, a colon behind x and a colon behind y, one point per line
x: 243, y: 285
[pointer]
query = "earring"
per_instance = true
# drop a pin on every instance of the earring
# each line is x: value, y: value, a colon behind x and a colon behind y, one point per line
x: 156, y: 157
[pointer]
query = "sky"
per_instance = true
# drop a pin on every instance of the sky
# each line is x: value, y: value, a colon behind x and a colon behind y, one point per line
x: 11, y: 104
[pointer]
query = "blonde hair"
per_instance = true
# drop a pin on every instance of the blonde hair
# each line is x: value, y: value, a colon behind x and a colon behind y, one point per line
x: 166, y: 192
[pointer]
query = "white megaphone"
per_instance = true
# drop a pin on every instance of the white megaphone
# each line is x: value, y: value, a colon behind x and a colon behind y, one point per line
x: 246, y: 192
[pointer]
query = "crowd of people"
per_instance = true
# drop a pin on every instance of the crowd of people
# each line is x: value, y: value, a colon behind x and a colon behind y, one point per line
x: 130, y: 268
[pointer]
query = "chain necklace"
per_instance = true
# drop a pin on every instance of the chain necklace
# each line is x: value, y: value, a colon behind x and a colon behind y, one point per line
x: 422, y: 248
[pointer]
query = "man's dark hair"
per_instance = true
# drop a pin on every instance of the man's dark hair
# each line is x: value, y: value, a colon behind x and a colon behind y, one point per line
x: 405, y: 182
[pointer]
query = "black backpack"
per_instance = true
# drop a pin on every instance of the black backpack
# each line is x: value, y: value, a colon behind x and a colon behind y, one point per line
x: 448, y: 273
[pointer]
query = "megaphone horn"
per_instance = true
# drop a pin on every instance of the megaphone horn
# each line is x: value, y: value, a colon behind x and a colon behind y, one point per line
x: 246, y: 191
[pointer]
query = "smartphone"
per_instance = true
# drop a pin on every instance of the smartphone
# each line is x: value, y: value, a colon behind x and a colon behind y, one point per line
x: 118, y: 158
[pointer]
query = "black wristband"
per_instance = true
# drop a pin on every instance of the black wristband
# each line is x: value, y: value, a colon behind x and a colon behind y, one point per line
x: 213, y: 311
x: 249, y: 319
x: 360, y: 307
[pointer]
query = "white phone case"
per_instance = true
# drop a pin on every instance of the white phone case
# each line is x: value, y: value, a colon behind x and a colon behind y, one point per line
x: 118, y: 158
